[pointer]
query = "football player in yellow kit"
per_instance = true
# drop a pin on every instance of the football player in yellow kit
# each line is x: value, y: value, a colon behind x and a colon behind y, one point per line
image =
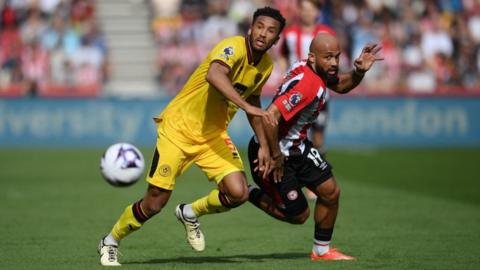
x: 193, y: 129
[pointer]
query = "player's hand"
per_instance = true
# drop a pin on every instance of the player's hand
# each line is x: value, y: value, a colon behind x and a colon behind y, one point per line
x: 276, y: 167
x: 263, y: 162
x: 266, y: 116
x: 366, y: 59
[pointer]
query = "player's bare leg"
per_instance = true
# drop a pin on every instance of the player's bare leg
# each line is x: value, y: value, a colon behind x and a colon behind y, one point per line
x: 232, y: 191
x: 326, y: 209
x: 235, y: 189
x: 326, y: 206
x: 154, y: 200
x: 131, y: 220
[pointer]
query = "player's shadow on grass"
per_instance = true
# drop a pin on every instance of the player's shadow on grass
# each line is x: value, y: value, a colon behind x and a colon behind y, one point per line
x: 226, y: 259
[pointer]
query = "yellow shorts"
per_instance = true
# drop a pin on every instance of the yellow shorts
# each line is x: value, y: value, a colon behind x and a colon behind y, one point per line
x: 217, y: 158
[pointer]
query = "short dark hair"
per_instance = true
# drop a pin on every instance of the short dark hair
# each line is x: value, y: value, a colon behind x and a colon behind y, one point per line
x: 272, y: 13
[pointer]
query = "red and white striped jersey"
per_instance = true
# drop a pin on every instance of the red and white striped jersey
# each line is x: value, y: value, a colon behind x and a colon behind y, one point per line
x: 299, y: 99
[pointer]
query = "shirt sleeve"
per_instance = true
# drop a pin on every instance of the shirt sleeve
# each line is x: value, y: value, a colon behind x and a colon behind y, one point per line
x: 228, y: 52
x: 295, y: 99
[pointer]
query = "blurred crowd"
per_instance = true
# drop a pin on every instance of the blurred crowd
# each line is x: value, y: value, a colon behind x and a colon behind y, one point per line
x: 429, y: 46
x: 51, y: 46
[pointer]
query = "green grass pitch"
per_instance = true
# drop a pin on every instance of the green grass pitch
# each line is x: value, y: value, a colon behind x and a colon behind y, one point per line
x: 400, y: 209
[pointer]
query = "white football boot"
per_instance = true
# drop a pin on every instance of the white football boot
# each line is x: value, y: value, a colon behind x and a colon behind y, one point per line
x: 192, y: 228
x: 108, y: 254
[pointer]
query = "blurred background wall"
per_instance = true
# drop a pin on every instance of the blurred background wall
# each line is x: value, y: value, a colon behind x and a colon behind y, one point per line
x: 91, y: 73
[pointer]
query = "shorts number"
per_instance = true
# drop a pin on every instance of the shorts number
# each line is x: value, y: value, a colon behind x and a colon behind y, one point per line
x: 315, y: 156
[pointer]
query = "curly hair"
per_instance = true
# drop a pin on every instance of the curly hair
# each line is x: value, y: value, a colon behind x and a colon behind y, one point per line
x: 272, y: 13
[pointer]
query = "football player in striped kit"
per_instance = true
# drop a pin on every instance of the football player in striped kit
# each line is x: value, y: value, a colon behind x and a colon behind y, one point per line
x: 295, y: 163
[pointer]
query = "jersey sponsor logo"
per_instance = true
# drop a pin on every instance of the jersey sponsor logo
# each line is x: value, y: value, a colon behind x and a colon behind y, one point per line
x: 292, y: 195
x: 165, y: 170
x: 295, y: 99
x: 227, y: 52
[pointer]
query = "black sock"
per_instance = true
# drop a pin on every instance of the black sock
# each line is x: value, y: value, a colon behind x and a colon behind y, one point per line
x: 323, y: 234
x: 138, y: 212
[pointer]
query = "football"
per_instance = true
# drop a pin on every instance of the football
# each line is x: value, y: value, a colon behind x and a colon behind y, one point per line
x: 122, y: 164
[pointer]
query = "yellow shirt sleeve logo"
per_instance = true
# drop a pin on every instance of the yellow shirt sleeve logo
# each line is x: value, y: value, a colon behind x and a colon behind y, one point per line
x: 227, y: 52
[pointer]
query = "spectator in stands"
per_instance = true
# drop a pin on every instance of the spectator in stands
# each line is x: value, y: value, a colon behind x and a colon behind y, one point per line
x: 93, y: 32
x: 166, y: 8
x: 33, y: 27
x: 385, y: 77
x: 180, y: 37
x: 87, y: 63
x: 45, y: 47
x: 60, y: 66
x: 435, y: 40
x: 60, y: 31
x: 35, y: 67
x: 82, y: 11
x: 217, y: 26
x: 10, y: 46
x: 48, y: 7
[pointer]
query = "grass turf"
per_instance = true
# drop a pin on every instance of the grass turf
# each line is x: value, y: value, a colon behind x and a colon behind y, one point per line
x: 400, y: 209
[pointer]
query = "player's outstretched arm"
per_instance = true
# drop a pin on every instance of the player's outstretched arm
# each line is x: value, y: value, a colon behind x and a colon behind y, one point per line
x: 271, y: 133
x: 217, y: 76
x: 363, y: 63
x: 263, y: 156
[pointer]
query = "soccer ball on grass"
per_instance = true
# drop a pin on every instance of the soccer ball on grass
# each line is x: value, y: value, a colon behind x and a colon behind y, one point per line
x: 122, y: 164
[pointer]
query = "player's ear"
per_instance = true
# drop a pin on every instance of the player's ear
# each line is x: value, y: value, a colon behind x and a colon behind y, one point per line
x: 249, y: 31
x: 311, y: 57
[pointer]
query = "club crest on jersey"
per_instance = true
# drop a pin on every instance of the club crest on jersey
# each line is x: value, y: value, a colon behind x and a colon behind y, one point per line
x: 165, y: 170
x: 295, y: 99
x: 227, y: 52
x: 292, y: 195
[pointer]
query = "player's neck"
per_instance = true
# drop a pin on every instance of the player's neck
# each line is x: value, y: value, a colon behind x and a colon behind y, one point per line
x: 312, y: 67
x: 256, y: 55
x: 307, y: 27
x: 315, y: 71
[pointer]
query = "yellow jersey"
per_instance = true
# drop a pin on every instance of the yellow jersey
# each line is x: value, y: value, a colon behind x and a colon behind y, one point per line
x: 200, y: 112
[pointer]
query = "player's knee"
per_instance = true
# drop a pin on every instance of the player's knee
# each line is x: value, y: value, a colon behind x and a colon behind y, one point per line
x: 331, y: 198
x: 301, y: 218
x: 233, y: 190
x: 152, y: 207
x: 154, y: 200
x: 235, y: 198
